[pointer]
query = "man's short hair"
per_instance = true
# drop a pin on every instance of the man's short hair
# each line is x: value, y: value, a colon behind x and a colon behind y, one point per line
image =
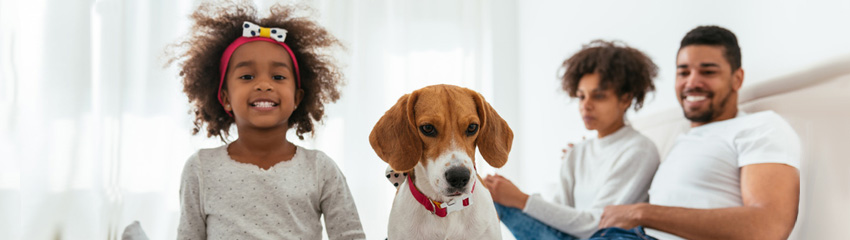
x: 715, y: 36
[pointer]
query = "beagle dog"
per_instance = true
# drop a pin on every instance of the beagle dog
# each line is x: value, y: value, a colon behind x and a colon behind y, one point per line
x: 431, y: 134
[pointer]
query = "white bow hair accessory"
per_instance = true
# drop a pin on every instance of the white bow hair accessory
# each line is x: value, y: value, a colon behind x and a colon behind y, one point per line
x: 250, y: 29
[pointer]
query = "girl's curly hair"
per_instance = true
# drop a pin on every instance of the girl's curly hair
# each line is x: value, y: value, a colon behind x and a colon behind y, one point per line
x: 220, y: 23
x: 620, y: 67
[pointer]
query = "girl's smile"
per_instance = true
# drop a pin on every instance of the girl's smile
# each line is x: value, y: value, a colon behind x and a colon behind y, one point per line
x: 264, y: 104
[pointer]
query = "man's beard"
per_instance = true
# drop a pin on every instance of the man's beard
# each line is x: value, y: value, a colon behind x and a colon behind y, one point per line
x: 709, y: 114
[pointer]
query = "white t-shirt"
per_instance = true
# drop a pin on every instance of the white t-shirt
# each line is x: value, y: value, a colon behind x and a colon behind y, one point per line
x: 221, y: 198
x: 616, y: 169
x: 703, y: 167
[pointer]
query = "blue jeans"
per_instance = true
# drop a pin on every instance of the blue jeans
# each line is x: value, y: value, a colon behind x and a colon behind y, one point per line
x: 526, y: 227
x: 613, y: 233
x: 523, y: 226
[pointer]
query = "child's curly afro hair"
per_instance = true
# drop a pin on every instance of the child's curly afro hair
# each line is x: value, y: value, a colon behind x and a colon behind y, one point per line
x: 217, y: 24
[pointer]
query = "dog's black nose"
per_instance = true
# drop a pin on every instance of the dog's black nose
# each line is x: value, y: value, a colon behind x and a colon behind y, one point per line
x: 457, y: 177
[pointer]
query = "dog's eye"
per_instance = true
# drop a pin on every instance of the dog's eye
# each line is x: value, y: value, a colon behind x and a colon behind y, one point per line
x: 472, y: 129
x: 428, y: 130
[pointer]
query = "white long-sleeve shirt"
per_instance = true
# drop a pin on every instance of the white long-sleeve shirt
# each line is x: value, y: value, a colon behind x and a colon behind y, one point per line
x: 221, y: 198
x: 616, y: 169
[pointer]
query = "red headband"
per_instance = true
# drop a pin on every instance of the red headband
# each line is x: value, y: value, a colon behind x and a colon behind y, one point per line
x: 225, y: 58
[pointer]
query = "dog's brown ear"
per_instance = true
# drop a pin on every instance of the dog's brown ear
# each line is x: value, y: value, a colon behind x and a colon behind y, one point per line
x: 394, y: 137
x: 495, y: 136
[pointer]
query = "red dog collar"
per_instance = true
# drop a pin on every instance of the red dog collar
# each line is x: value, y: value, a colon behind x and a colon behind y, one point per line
x: 438, y: 208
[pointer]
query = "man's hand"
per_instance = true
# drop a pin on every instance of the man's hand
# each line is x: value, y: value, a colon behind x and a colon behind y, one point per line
x: 566, y: 151
x: 505, y: 192
x: 621, y: 216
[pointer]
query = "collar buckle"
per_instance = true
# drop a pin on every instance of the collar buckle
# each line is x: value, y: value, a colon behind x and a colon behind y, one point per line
x: 455, y: 206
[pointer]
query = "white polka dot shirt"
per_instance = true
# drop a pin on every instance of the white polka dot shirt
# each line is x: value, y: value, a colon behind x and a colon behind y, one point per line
x: 221, y: 198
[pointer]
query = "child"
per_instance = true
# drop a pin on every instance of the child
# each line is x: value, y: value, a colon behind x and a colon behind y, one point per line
x: 265, y: 75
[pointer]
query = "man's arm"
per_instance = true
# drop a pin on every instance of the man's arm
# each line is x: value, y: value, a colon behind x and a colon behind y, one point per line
x: 770, y: 193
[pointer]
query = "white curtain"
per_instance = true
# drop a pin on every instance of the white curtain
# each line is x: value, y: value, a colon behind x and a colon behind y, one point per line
x: 98, y: 126
x: 95, y: 130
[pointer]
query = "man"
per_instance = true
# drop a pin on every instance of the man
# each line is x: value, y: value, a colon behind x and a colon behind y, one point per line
x: 733, y: 175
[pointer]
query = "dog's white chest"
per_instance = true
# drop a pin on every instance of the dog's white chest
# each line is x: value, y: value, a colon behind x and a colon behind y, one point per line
x: 410, y: 220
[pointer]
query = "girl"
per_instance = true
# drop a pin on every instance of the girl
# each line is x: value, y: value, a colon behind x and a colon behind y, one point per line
x: 615, y: 168
x: 266, y: 76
